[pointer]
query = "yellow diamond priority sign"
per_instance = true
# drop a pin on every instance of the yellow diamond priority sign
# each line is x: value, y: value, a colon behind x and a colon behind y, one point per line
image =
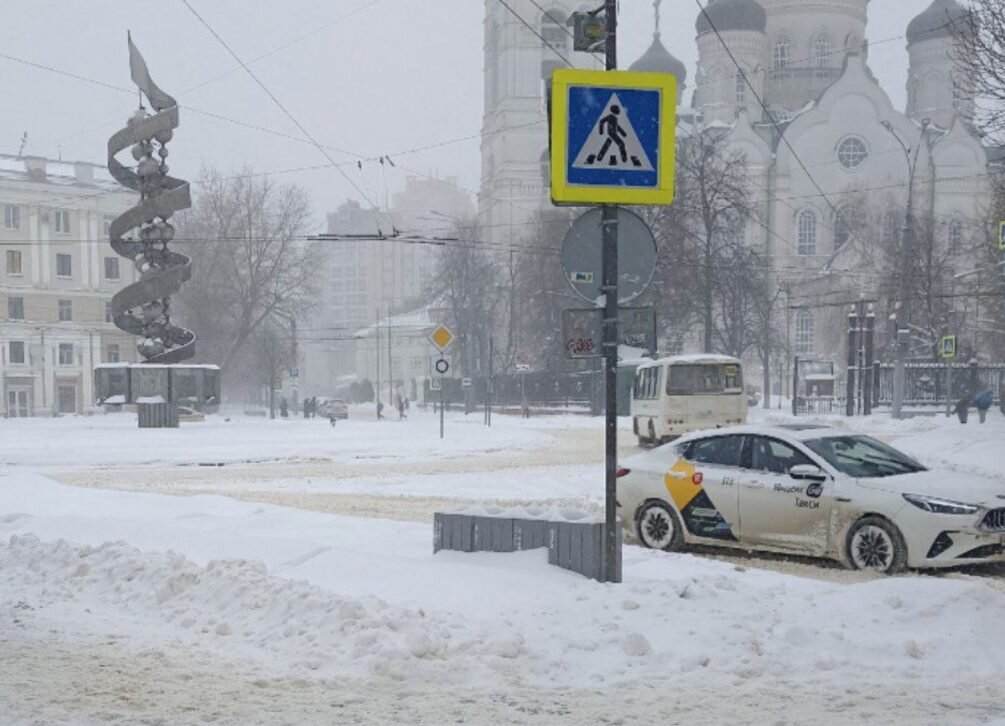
x: 441, y: 337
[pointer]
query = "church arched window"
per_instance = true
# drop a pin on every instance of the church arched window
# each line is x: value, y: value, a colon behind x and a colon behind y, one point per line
x: 740, y: 90
x: 892, y: 222
x: 806, y: 236
x: 782, y: 54
x: 954, y: 235
x: 821, y: 52
x: 553, y: 30
x: 844, y: 226
x: 805, y: 332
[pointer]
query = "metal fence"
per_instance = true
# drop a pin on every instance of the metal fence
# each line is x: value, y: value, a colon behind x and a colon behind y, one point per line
x: 932, y: 384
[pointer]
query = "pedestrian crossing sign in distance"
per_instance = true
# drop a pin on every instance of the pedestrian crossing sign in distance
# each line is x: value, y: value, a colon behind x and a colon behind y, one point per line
x: 612, y: 137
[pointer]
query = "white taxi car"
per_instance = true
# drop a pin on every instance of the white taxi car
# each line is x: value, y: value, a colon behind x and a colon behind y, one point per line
x: 814, y: 491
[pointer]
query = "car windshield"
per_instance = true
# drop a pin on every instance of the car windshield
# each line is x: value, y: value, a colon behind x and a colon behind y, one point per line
x: 863, y: 456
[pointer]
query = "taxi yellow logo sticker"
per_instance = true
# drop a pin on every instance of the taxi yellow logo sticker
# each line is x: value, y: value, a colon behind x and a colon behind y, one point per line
x: 680, y: 484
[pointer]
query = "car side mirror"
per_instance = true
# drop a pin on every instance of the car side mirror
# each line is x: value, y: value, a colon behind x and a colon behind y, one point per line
x: 807, y: 472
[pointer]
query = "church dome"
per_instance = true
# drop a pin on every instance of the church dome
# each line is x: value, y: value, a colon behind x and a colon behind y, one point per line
x: 732, y: 15
x: 935, y: 22
x: 659, y: 60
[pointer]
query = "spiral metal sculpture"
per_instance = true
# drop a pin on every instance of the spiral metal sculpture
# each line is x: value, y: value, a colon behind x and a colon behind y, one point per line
x: 143, y: 232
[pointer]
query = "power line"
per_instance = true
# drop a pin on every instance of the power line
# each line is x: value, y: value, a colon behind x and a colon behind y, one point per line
x: 757, y: 96
x: 279, y: 103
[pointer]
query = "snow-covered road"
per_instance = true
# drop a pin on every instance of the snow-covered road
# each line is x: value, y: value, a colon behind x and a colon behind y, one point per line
x: 159, y: 605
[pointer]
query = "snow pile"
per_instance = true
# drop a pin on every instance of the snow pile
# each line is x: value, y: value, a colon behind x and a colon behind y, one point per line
x: 522, y: 623
x: 236, y: 606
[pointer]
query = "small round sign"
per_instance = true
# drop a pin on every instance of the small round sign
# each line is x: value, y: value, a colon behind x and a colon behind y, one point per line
x: 442, y: 366
x: 582, y: 255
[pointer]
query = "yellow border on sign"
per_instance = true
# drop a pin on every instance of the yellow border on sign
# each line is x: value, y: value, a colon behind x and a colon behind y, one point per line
x: 564, y: 193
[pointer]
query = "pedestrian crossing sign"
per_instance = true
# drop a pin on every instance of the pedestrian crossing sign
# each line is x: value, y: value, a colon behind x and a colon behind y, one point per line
x: 948, y: 350
x: 612, y: 137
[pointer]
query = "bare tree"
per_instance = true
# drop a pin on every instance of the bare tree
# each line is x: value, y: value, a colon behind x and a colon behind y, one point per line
x: 250, y: 264
x: 979, y: 55
x: 715, y: 205
x: 466, y: 284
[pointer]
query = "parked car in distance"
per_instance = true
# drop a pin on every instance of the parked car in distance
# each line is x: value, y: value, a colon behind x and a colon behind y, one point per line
x: 810, y: 490
x: 332, y: 408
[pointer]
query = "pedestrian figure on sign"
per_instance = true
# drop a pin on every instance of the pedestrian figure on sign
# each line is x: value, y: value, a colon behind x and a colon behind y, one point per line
x: 962, y: 408
x: 983, y: 402
x: 610, y: 124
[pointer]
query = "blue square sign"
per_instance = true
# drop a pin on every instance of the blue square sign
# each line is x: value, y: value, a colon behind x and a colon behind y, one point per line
x: 614, y: 137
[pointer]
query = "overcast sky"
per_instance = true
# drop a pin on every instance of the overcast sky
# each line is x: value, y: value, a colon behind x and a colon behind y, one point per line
x: 364, y: 77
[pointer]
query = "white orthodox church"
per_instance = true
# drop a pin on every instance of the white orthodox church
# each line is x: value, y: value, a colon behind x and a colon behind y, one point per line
x: 820, y: 136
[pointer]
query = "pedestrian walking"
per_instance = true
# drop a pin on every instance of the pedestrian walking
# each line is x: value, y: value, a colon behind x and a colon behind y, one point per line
x: 307, y: 408
x: 401, y: 408
x: 284, y: 409
x: 380, y: 411
x: 962, y: 408
x: 983, y: 402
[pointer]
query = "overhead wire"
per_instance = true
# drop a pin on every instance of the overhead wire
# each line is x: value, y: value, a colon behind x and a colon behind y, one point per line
x: 281, y: 107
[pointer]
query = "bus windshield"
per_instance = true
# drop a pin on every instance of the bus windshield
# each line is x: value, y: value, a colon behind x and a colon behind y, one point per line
x: 704, y: 378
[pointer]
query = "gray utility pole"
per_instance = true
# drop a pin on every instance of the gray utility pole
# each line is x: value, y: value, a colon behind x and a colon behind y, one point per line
x: 390, y: 365
x: 903, y: 318
x: 610, y: 282
x: 376, y: 351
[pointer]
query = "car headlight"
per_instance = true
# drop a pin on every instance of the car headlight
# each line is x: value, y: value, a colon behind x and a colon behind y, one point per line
x: 935, y: 505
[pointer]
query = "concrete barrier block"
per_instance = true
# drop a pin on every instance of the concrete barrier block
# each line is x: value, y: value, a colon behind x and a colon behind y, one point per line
x: 575, y: 546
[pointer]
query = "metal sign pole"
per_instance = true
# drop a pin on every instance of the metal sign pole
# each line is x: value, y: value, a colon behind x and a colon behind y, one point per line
x: 442, y: 397
x: 610, y: 275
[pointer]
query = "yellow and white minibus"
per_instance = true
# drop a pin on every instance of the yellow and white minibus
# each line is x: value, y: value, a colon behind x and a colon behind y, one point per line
x: 680, y: 394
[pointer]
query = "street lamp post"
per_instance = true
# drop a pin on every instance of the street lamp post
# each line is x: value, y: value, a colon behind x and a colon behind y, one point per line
x: 903, y: 336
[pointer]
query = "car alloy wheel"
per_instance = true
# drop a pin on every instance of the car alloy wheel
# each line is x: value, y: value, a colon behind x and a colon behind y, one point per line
x: 872, y: 549
x: 658, y: 528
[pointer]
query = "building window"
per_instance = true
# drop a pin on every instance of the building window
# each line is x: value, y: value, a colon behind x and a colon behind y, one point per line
x: 108, y: 311
x: 852, y: 152
x: 112, y: 355
x: 65, y: 310
x: 15, y: 350
x: 892, y: 223
x: 15, y: 308
x: 66, y: 354
x: 14, y: 262
x: 844, y: 224
x: 783, y: 53
x: 821, y: 51
x: 62, y: 217
x: 740, y: 90
x: 12, y: 216
x: 807, y: 235
x: 64, y: 265
x: 804, y: 332
x: 955, y: 235
x: 553, y: 30
x: 111, y: 268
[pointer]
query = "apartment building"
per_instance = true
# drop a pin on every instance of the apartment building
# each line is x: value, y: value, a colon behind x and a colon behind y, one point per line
x: 57, y: 277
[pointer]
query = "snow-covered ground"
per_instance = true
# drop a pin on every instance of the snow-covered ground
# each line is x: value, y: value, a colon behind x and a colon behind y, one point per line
x: 166, y: 592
